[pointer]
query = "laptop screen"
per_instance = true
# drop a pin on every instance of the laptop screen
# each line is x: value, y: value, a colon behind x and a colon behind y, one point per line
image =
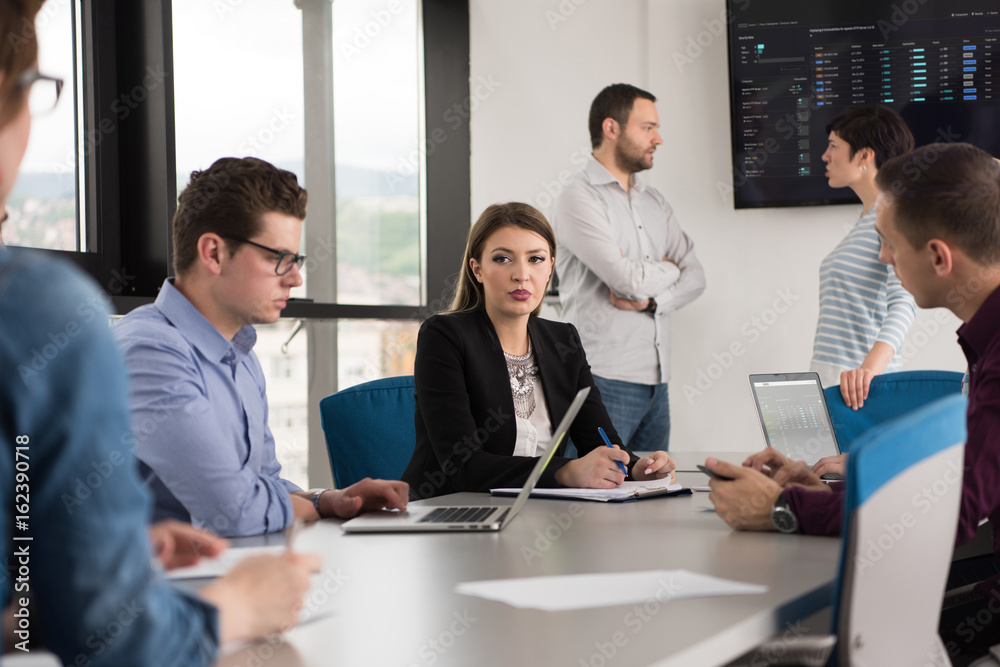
x: 793, y: 415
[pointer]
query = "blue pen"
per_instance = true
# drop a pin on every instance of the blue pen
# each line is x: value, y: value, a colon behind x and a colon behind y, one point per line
x: 608, y: 443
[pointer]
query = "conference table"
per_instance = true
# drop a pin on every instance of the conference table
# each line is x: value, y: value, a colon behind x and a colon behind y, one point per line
x: 390, y: 599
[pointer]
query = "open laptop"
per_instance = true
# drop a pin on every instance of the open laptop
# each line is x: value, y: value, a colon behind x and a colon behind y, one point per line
x: 477, y: 518
x: 794, y: 417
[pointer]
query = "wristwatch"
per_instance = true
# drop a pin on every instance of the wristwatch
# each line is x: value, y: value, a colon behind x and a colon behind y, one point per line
x: 315, y: 498
x: 650, y: 307
x: 783, y: 517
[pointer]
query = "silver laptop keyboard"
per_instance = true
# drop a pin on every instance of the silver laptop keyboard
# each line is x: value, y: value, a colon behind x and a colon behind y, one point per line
x: 458, y: 515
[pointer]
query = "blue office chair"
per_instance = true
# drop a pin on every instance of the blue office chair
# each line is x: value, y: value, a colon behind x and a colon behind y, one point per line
x: 889, y: 396
x: 895, y: 552
x: 369, y: 429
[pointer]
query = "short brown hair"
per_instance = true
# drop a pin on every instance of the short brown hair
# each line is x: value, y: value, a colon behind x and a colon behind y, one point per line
x: 946, y: 191
x: 873, y: 126
x: 613, y: 102
x: 469, y: 292
x: 18, y: 52
x: 229, y: 199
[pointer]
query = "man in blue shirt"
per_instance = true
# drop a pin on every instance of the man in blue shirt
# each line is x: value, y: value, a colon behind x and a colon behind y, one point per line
x: 198, y: 398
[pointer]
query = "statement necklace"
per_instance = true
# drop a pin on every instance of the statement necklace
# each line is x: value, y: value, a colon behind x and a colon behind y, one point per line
x: 523, y: 372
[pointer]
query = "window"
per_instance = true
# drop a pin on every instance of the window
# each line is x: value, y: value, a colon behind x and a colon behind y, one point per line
x: 286, y: 376
x: 43, y: 204
x: 256, y: 85
x: 373, y: 349
x: 237, y: 84
x: 376, y: 79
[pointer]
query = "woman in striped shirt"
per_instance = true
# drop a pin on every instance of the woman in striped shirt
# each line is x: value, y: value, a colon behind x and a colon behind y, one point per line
x: 864, y: 312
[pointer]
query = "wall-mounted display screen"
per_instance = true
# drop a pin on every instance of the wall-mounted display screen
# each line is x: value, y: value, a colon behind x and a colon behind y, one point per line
x: 793, y: 65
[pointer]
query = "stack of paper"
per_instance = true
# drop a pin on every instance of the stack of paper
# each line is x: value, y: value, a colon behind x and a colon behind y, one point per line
x: 624, y: 491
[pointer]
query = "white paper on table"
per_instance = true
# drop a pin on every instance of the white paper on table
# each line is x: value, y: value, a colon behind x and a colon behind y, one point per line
x: 316, y: 604
x: 582, y: 591
x: 223, y: 563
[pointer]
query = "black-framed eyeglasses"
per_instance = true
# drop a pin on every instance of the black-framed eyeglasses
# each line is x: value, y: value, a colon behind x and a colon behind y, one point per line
x: 43, y: 91
x: 286, y: 260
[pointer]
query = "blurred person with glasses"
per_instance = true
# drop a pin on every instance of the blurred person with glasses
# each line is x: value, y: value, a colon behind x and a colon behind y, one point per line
x: 43, y: 91
x: 211, y: 460
x: 83, y: 550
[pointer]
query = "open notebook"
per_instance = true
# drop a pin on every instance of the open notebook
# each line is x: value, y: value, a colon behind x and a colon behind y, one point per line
x: 622, y: 493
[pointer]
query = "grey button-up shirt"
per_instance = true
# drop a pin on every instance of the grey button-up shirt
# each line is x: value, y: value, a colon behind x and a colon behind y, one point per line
x: 610, y: 239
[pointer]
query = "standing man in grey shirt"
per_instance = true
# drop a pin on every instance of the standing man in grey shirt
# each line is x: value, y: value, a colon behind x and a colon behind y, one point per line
x: 624, y: 265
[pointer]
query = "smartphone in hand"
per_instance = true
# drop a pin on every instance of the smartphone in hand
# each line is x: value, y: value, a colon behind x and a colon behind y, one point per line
x: 713, y: 475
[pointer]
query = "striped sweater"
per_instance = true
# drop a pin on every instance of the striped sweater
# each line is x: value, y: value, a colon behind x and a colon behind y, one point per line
x: 861, y: 301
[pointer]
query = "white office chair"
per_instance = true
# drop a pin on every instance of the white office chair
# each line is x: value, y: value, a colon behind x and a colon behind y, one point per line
x: 37, y: 658
x: 897, y: 546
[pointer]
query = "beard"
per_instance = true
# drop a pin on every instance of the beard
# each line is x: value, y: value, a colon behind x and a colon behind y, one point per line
x: 630, y: 158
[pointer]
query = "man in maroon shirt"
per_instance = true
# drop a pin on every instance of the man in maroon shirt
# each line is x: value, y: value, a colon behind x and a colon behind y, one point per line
x: 938, y: 215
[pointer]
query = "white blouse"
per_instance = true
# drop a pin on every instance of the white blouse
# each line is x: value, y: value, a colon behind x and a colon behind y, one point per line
x: 535, y: 433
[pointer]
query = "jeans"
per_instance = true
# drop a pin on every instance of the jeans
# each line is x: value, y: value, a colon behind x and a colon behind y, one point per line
x: 640, y: 413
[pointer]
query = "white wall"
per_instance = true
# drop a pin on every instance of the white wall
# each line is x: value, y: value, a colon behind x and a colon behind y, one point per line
x: 547, y: 60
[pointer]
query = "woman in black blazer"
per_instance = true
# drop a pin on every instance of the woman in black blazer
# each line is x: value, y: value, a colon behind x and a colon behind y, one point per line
x: 493, y: 379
